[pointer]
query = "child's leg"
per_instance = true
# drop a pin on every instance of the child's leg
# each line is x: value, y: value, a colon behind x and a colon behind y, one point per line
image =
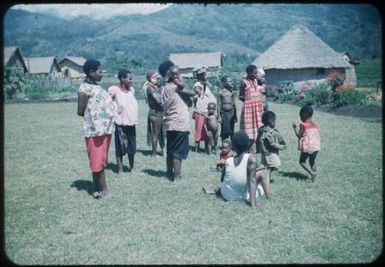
x: 177, y: 165
x: 208, y: 145
x: 215, y: 137
x: 120, y: 164
x: 312, y: 161
x: 196, y: 146
x: 302, y: 161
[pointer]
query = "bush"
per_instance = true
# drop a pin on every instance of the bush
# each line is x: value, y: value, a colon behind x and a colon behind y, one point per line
x: 285, y: 92
x: 350, y: 97
x: 319, y: 94
x: 13, y: 82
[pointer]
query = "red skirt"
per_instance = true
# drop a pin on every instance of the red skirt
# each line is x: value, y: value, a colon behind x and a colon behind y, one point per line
x: 97, y: 150
x: 200, y: 132
x: 251, y: 117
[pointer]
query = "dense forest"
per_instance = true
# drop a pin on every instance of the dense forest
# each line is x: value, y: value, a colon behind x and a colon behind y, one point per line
x: 240, y: 31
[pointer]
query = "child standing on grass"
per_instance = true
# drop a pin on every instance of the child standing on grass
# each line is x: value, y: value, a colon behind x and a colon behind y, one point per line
x: 211, y: 125
x: 309, y: 142
x: 96, y: 107
x: 270, y: 142
x: 227, y: 111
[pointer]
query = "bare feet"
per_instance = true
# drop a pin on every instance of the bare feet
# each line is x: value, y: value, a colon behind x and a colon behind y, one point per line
x: 313, y: 176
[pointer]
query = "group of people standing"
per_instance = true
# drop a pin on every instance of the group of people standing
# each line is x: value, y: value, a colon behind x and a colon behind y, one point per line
x: 116, y: 111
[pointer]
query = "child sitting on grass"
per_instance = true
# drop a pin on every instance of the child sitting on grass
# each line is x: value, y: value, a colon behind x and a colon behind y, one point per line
x: 225, y: 154
x: 242, y: 175
x: 211, y: 127
x: 270, y: 142
x: 309, y: 142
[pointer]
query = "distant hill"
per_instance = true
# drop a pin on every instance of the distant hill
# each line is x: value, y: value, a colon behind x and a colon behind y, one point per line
x: 241, y: 31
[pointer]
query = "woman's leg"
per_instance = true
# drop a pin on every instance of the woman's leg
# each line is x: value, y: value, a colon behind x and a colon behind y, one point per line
x: 99, y: 179
x: 170, y: 167
x: 131, y: 161
x: 177, y: 165
x: 119, y: 162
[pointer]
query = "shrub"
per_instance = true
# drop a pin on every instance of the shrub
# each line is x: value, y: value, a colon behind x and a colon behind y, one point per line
x: 349, y: 97
x: 285, y: 92
x: 13, y: 82
x: 335, y: 79
x: 319, y: 94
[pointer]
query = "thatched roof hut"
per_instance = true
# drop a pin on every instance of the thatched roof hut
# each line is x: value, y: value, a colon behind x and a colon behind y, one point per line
x: 73, y: 67
x: 189, y: 61
x: 43, y: 65
x: 14, y: 58
x: 301, y: 56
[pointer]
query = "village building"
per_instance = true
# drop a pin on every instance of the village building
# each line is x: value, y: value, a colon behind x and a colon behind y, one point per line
x: 44, y: 66
x: 14, y: 59
x: 187, y: 62
x: 303, y: 58
x: 72, y: 67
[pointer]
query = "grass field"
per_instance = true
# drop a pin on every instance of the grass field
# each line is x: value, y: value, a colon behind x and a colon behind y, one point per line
x: 50, y: 217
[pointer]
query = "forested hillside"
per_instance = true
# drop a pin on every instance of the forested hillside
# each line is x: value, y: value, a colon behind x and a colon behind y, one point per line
x: 240, y: 31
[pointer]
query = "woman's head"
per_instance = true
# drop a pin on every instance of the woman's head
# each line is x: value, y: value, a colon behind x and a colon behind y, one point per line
x: 201, y: 74
x: 93, y: 70
x: 268, y: 118
x: 164, y: 68
x: 240, y: 142
x: 125, y: 77
x: 252, y: 71
x: 306, y: 112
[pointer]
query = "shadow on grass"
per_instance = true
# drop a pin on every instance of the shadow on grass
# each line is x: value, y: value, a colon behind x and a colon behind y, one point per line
x: 114, y: 167
x: 83, y: 185
x: 144, y: 152
x: 156, y: 173
x: 296, y: 175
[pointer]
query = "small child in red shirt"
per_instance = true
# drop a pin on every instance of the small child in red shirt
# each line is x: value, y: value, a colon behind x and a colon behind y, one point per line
x: 225, y: 154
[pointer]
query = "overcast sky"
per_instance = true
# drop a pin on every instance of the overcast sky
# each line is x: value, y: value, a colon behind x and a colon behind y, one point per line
x: 97, y: 11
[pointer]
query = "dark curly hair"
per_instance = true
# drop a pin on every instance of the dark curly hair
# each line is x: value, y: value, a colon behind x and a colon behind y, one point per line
x: 268, y: 116
x: 90, y: 64
x: 240, y: 142
x: 306, y: 111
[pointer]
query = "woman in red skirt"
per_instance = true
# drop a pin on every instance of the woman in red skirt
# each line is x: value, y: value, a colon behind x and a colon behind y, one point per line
x: 251, y: 114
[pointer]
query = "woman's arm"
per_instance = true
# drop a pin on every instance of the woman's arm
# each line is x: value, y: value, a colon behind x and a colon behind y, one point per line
x: 242, y: 92
x: 82, y: 103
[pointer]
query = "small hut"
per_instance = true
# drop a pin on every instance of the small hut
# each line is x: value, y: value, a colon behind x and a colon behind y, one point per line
x: 14, y: 59
x: 188, y: 61
x: 303, y: 58
x: 72, y: 67
x: 44, y: 66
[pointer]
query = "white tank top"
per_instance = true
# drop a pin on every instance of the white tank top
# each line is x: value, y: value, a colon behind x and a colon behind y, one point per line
x: 234, y: 185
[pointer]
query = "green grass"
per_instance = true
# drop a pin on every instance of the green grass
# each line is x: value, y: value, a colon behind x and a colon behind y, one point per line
x: 51, y: 219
